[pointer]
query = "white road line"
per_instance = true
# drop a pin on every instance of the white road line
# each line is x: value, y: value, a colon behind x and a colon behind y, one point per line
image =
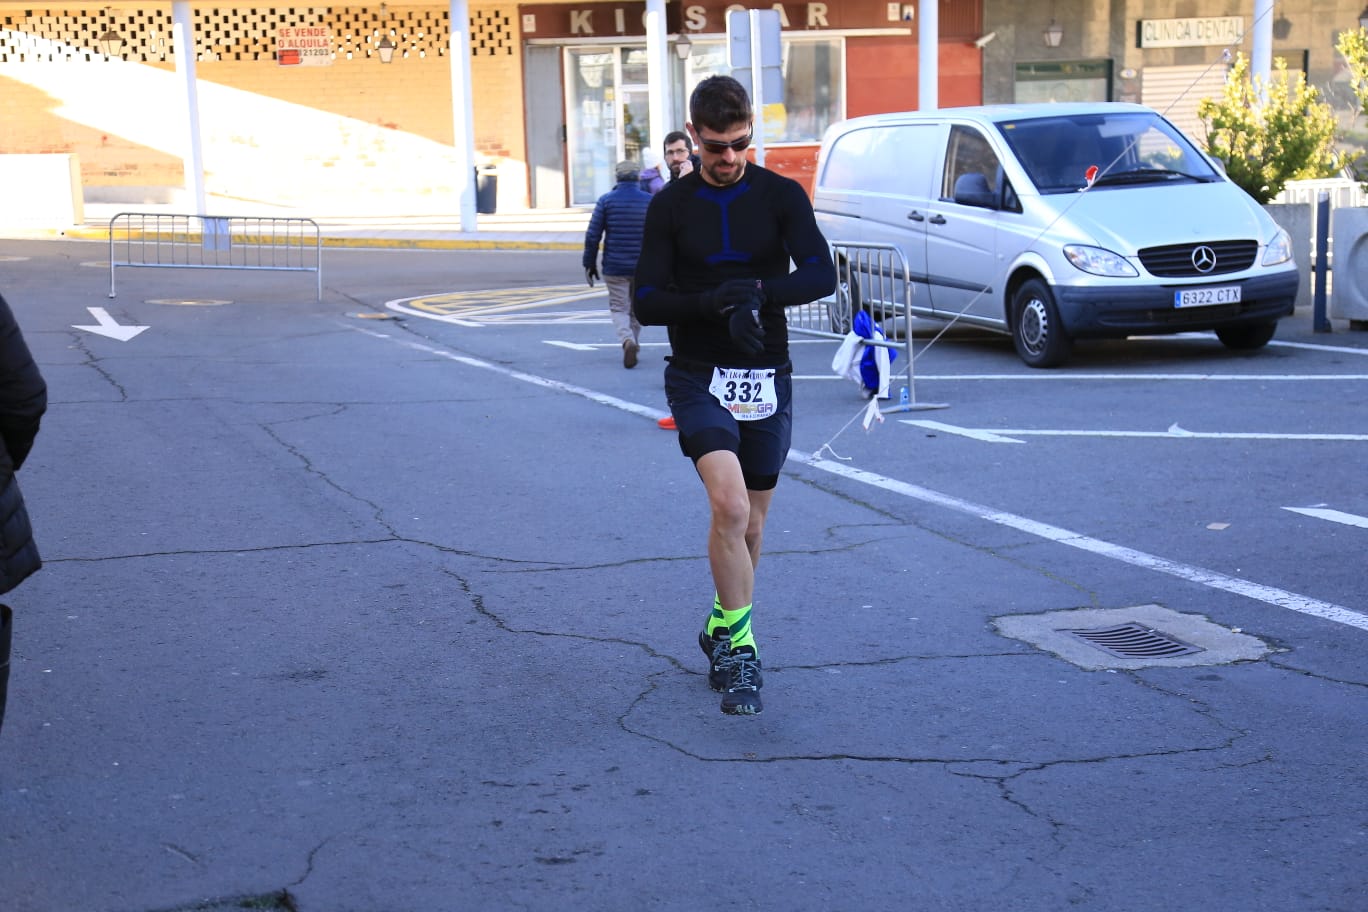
x: 1268, y: 594
x: 1349, y: 519
x: 1313, y: 346
x: 1009, y: 435
x: 1215, y: 378
x: 573, y: 346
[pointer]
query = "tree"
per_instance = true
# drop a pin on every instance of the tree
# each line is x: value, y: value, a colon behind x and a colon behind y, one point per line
x: 1353, y: 44
x: 1269, y: 134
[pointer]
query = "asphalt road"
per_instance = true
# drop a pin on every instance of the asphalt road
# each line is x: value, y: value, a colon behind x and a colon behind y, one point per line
x: 351, y: 607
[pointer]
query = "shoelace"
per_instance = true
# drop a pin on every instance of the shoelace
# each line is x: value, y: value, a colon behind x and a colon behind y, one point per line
x: 719, y: 653
x: 743, y: 670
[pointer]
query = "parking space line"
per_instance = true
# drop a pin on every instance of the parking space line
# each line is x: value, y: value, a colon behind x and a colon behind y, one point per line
x: 1348, y: 519
x: 1270, y: 595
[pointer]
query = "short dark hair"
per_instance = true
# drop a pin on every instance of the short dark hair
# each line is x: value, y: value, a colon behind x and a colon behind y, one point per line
x: 675, y: 136
x: 719, y: 103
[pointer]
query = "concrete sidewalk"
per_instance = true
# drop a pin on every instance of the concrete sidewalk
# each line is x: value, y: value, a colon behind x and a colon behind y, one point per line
x: 533, y: 229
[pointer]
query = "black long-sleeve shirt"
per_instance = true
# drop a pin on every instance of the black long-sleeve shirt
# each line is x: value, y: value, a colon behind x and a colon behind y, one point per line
x: 698, y: 236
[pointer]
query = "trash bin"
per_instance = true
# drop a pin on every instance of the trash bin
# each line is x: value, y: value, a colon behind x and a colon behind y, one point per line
x: 486, y: 189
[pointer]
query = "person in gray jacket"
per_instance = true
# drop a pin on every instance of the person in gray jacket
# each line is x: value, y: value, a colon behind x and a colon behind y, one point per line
x: 620, y: 214
x: 23, y: 399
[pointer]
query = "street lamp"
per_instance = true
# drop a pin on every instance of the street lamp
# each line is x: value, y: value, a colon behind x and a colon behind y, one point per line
x: 1053, y: 34
x: 683, y: 47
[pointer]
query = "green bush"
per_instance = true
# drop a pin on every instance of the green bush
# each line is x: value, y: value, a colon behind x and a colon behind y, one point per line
x: 1353, y: 44
x: 1269, y: 134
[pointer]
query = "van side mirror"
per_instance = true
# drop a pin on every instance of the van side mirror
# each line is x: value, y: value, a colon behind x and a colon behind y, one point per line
x: 972, y: 190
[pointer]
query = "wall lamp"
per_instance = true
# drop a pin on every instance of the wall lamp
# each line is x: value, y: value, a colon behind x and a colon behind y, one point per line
x: 683, y: 47
x: 385, y: 47
x: 110, y: 40
x: 1053, y: 34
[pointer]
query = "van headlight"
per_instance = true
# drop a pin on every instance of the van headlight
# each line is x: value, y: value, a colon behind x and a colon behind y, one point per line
x: 1100, y: 262
x: 1279, y: 249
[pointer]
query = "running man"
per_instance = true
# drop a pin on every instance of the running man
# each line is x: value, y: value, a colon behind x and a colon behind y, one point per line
x: 715, y: 269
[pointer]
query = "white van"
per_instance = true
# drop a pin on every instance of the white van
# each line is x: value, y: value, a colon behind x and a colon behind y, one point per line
x: 1055, y: 222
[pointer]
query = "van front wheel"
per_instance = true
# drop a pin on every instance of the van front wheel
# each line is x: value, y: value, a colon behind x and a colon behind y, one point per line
x: 1038, y: 335
x: 1249, y: 336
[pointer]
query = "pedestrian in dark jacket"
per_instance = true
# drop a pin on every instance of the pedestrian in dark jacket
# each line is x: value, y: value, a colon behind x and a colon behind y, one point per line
x: 23, y: 399
x: 620, y: 214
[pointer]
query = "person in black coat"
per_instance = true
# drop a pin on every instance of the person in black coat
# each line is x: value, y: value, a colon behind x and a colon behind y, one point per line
x: 23, y: 400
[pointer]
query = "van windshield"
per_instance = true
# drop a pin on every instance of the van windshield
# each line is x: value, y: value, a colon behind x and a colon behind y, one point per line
x: 1068, y: 154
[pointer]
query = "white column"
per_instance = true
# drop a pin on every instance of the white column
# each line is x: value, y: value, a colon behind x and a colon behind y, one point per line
x: 1261, y: 50
x: 462, y: 107
x: 183, y: 47
x: 657, y: 72
x: 928, y: 55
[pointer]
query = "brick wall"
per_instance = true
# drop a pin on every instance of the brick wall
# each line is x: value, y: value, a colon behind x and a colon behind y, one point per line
x: 352, y: 137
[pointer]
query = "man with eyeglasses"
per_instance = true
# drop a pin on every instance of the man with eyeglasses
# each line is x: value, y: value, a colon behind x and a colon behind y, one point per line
x: 679, y: 157
x: 715, y: 270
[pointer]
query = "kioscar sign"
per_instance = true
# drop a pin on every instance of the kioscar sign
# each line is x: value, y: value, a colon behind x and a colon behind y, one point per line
x: 605, y: 20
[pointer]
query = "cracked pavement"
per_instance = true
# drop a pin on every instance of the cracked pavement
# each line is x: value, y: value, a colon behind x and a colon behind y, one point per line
x: 331, y: 624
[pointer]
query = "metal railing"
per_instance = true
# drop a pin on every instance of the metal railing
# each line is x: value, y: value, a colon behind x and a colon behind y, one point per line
x: 874, y: 278
x: 175, y: 241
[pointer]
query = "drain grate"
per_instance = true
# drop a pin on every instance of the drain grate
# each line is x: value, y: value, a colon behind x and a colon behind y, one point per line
x: 1133, y: 641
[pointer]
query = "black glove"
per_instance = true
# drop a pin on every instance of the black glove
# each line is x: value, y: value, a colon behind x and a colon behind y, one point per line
x: 719, y: 303
x: 744, y: 324
x: 591, y: 275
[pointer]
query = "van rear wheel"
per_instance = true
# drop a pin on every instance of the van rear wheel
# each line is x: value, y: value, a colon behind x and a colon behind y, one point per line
x: 1250, y: 336
x: 1037, y: 333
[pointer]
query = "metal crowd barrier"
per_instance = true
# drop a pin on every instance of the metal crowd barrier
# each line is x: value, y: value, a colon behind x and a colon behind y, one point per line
x: 874, y: 278
x: 168, y: 240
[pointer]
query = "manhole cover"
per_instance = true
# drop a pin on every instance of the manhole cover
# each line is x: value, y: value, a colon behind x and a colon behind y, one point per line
x: 1134, y: 641
x: 1139, y: 636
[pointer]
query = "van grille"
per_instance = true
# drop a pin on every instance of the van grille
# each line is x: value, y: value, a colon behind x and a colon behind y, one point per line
x: 1180, y: 260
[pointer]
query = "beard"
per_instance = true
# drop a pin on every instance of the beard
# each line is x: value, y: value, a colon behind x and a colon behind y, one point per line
x: 729, y: 174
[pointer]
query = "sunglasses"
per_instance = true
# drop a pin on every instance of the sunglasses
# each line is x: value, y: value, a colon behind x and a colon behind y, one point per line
x: 714, y: 147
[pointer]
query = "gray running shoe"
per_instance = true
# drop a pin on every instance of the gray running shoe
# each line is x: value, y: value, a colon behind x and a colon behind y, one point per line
x: 742, y: 694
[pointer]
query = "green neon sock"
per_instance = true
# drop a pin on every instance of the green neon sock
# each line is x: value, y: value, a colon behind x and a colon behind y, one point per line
x: 715, y: 618
x: 738, y: 624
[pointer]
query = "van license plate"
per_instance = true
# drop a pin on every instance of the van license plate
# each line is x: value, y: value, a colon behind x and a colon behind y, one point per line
x: 1204, y: 297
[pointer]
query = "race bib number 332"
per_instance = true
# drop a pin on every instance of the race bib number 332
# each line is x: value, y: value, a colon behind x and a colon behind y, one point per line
x: 748, y: 394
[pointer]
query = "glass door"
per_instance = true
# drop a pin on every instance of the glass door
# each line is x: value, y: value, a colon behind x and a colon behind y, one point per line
x: 608, y: 116
x: 591, y: 122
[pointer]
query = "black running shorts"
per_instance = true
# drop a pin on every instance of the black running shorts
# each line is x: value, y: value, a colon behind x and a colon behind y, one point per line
x: 705, y: 425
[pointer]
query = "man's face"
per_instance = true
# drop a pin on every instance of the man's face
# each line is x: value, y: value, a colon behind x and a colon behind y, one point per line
x: 676, y: 154
x: 722, y: 156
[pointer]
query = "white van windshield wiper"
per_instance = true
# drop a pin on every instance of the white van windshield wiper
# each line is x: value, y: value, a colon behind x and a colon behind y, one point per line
x: 1147, y: 176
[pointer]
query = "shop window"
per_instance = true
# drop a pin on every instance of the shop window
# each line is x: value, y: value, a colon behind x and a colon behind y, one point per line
x: 814, y: 86
x: 1075, y: 80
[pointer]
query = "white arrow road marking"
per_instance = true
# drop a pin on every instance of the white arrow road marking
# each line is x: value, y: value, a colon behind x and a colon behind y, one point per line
x: 1349, y: 519
x: 108, y: 326
x: 1008, y: 435
x: 986, y: 436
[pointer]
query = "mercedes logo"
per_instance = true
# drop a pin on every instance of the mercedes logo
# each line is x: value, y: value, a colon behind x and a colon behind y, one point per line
x: 1203, y: 258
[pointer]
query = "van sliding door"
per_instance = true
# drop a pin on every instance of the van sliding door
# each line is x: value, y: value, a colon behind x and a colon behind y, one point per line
x: 961, y: 239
